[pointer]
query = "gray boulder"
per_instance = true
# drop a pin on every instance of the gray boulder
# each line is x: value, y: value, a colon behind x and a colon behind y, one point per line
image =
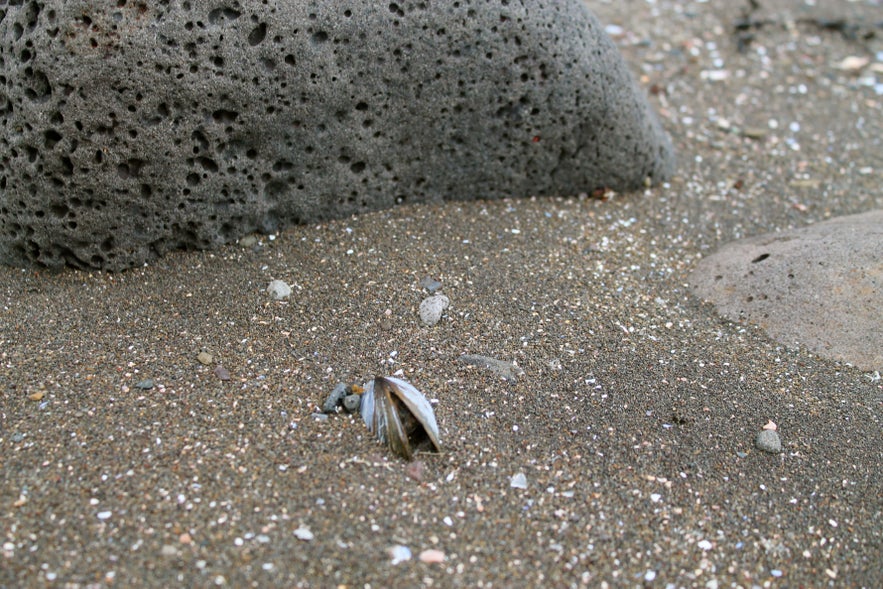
x: 133, y: 129
x: 820, y: 286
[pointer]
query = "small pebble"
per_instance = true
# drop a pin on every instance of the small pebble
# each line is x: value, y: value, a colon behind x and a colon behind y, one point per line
x: 519, y: 481
x: 168, y: 550
x: 279, y: 290
x: 204, y: 358
x: 414, y: 470
x: 768, y: 441
x: 399, y: 553
x: 304, y: 533
x: 222, y: 373
x: 432, y: 556
x: 334, y: 398
x: 145, y: 384
x: 430, y: 284
x: 352, y: 402
x: 319, y: 416
x: 431, y: 309
x: 248, y: 241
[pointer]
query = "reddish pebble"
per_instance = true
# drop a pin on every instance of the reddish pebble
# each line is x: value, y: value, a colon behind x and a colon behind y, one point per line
x: 432, y: 556
x: 415, y: 470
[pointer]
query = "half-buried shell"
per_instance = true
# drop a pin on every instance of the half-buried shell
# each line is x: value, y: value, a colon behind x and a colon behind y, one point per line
x: 400, y: 416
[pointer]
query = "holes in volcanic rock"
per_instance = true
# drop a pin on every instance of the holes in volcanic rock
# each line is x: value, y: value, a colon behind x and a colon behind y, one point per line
x: 130, y: 168
x: 224, y: 116
x: 257, y: 35
x: 51, y: 138
x: 220, y: 16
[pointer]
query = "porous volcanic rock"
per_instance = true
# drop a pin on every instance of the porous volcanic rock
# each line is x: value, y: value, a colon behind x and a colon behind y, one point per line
x: 132, y: 128
x: 820, y: 286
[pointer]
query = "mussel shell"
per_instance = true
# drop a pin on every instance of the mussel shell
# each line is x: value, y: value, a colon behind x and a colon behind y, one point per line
x: 400, y: 416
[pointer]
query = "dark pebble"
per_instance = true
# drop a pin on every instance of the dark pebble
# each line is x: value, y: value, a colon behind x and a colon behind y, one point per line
x: 335, y: 398
x: 222, y: 373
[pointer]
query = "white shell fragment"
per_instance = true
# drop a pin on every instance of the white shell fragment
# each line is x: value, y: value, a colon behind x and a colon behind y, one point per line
x: 400, y: 416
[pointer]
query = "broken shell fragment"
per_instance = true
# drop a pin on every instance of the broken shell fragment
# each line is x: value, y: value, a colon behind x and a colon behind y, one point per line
x: 400, y: 416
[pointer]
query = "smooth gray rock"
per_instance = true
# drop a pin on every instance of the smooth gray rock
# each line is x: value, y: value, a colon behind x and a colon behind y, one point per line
x: 768, y: 441
x: 820, y: 286
x: 133, y: 129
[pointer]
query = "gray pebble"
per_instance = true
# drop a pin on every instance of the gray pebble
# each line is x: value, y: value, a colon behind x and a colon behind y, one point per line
x: 430, y: 284
x: 279, y: 290
x: 768, y: 441
x: 145, y: 384
x: 431, y: 309
x: 334, y: 399
x: 352, y: 402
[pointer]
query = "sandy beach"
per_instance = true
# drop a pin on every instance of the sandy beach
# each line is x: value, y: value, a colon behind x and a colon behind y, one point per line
x: 127, y: 461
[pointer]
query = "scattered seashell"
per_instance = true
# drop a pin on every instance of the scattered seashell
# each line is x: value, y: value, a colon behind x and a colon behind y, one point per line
x: 853, y: 63
x: 770, y: 425
x: 400, y: 416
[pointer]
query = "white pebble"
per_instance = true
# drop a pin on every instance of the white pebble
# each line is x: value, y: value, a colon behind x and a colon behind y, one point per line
x: 431, y: 309
x: 519, y: 481
x: 400, y: 553
x: 279, y: 290
x: 303, y: 533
